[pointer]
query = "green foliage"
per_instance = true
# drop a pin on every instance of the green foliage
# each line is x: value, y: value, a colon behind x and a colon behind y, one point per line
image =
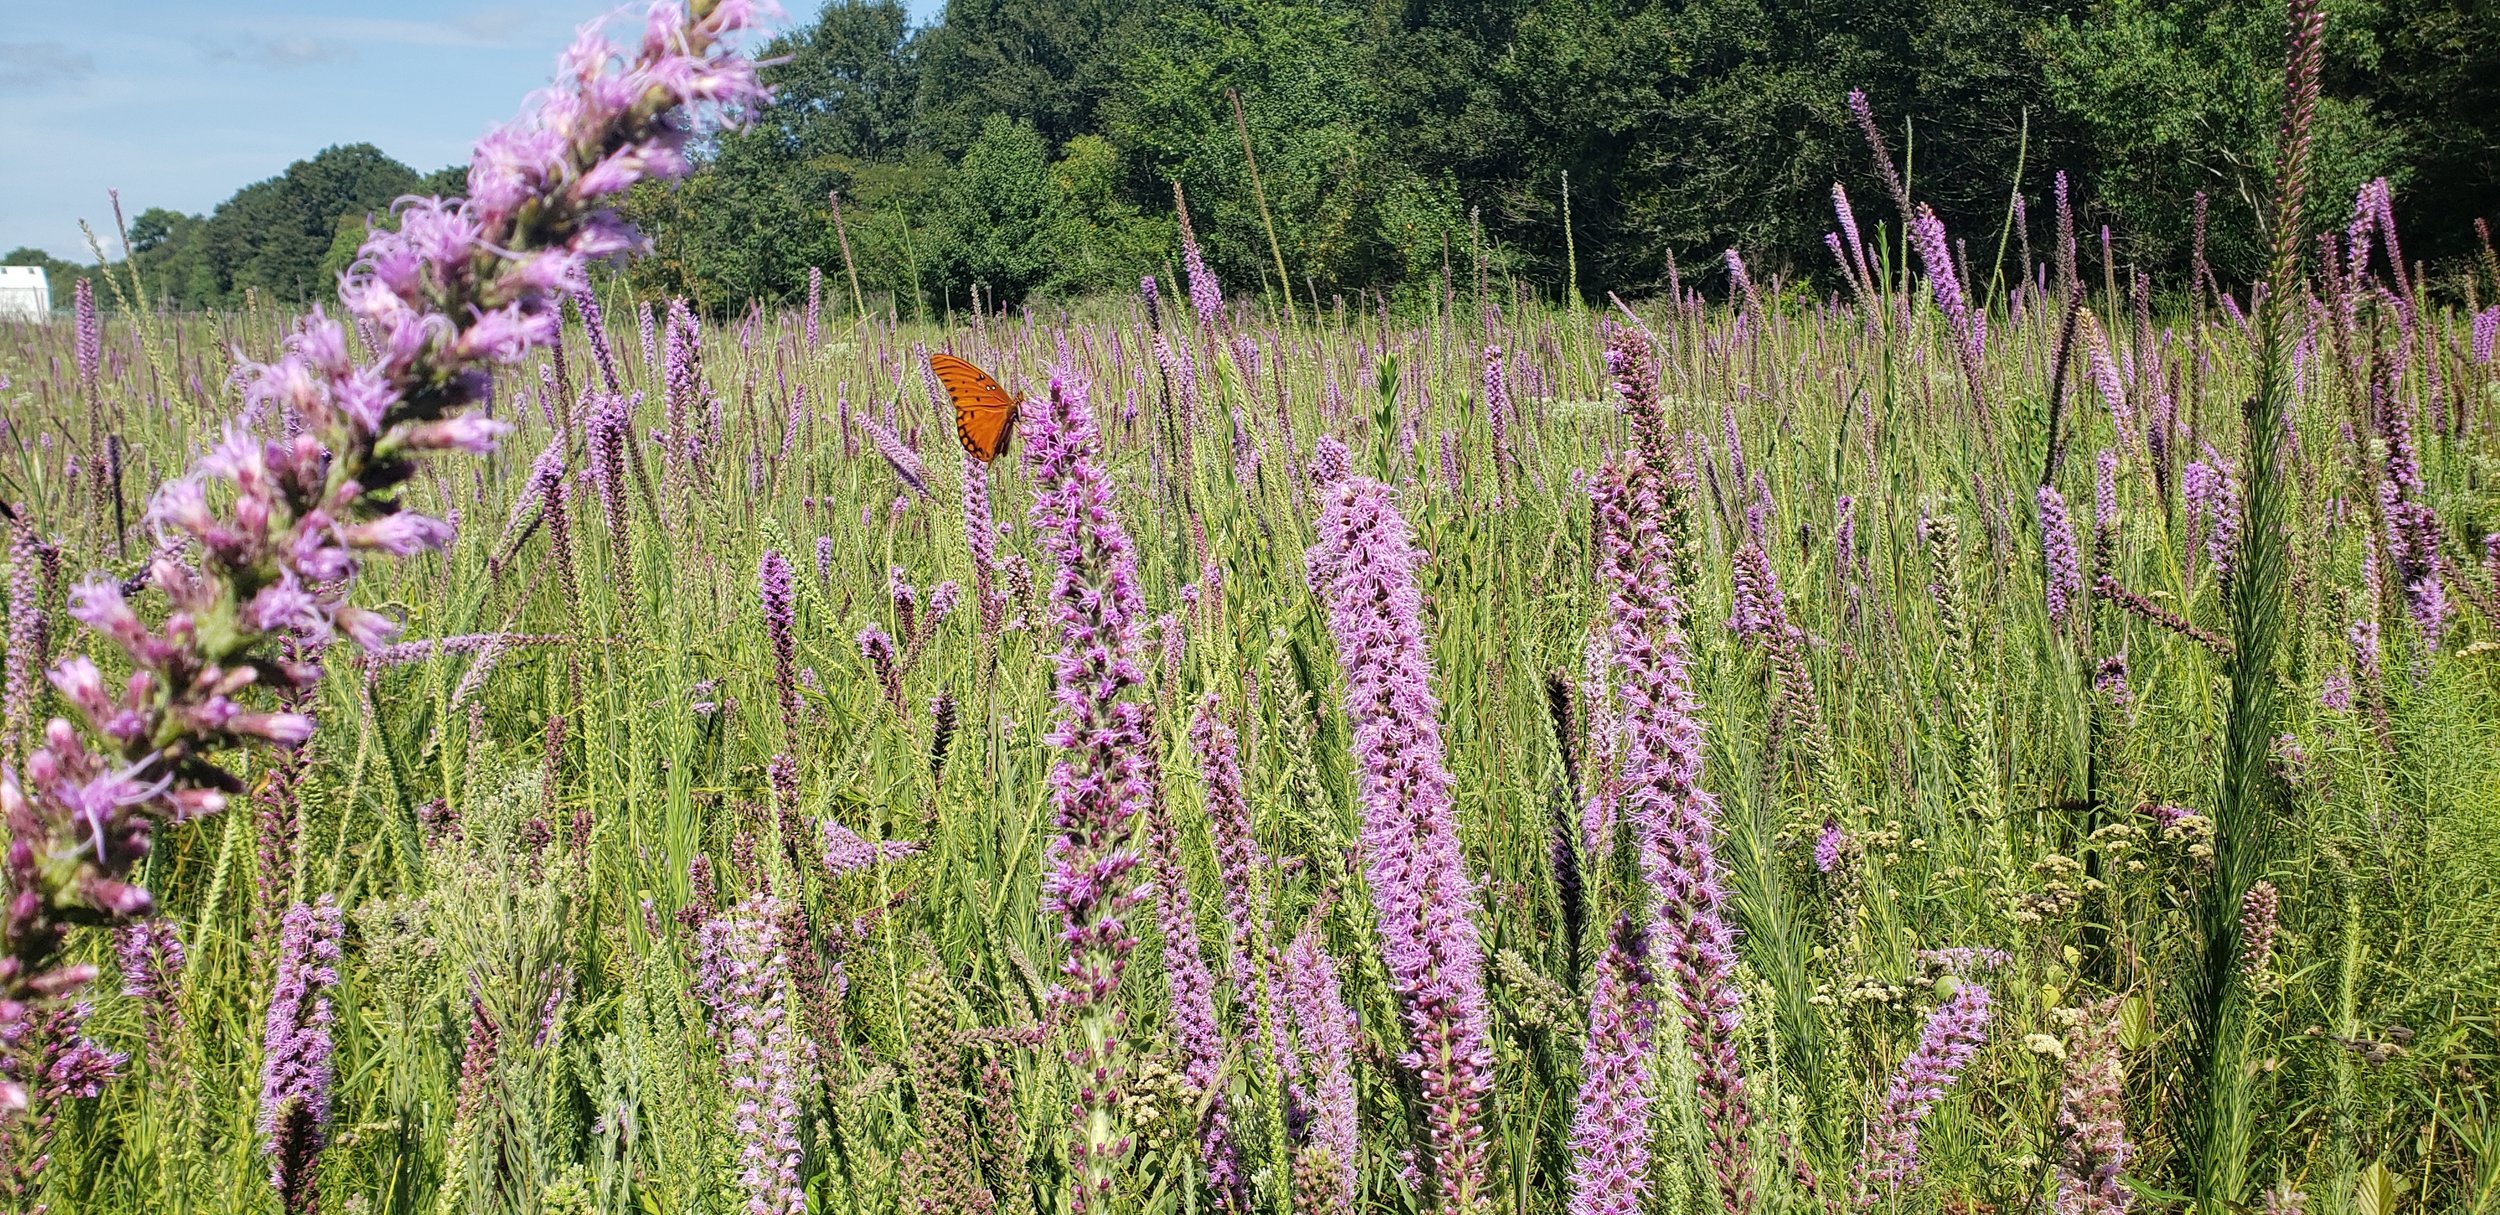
x: 1686, y: 126
x: 285, y: 238
x: 1301, y: 72
x: 997, y: 212
x: 2172, y: 99
x: 1050, y: 63
x: 1987, y: 791
x: 272, y: 236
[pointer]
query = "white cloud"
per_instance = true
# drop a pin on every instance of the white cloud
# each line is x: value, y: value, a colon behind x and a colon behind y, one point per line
x: 29, y: 67
x: 277, y: 51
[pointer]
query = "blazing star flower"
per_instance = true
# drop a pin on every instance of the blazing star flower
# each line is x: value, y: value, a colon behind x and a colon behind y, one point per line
x: 1206, y: 297
x: 455, y: 288
x: 1829, y: 845
x: 1364, y: 567
x: 2213, y: 495
x: 2092, y: 1147
x: 1104, y: 736
x: 1237, y: 854
x: 1954, y: 1033
x: 295, y: 1050
x: 1326, y: 1134
x: 1499, y: 412
x: 1676, y: 818
x: 90, y: 336
x: 1969, y: 326
x: 1610, y: 1128
x: 2062, y: 575
x: 1191, y: 986
x: 905, y: 461
x: 780, y: 598
x: 740, y: 978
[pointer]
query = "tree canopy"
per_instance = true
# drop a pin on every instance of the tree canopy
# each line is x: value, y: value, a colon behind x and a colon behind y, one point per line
x: 1034, y: 146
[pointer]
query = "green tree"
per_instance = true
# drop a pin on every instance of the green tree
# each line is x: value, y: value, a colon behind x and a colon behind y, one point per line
x: 2431, y: 69
x: 1102, y: 242
x: 761, y: 215
x: 1050, y: 63
x: 273, y: 235
x: 1032, y: 146
x: 1302, y: 74
x: 2170, y: 99
x: 845, y: 86
x: 997, y: 216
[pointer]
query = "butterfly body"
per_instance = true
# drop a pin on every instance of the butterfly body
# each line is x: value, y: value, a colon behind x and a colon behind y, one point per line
x: 985, y: 415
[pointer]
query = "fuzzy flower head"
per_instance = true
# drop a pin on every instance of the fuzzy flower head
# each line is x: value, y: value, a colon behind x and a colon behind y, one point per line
x: 1830, y: 846
x: 277, y: 527
x: 90, y: 336
x: 1330, y: 462
x: 2092, y: 1148
x: 1610, y: 1135
x: 1327, y: 1131
x: 2062, y: 574
x: 1206, y: 296
x: 2213, y: 494
x: 2109, y: 678
x: 1364, y: 568
x: 296, y: 1048
x: 741, y: 974
x: 777, y: 590
x: 846, y: 853
x: 1099, y: 782
x: 1953, y: 1035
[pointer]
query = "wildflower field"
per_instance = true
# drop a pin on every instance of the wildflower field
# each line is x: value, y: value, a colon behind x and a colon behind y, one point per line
x: 1989, y: 734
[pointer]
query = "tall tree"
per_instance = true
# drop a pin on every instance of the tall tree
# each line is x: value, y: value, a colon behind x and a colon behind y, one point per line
x: 273, y: 235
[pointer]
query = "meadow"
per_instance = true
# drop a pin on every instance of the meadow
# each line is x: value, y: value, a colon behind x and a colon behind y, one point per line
x: 1992, y: 732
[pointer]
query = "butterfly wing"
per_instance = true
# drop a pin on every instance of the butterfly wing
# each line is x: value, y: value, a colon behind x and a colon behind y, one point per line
x: 985, y: 416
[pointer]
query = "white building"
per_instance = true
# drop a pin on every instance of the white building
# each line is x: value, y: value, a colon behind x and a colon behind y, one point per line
x: 25, y: 294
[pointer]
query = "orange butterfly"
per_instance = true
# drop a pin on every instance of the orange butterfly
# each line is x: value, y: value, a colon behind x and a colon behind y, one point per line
x: 985, y: 416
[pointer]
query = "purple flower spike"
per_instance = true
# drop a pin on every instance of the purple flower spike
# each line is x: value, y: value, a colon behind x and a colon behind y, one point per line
x: 1675, y: 817
x: 1830, y: 846
x: 846, y: 853
x: 1327, y: 1138
x: 1610, y: 1130
x: 295, y: 1050
x: 981, y: 539
x: 1206, y: 297
x: 741, y: 969
x: 1364, y: 570
x: 780, y: 598
x: 90, y: 335
x: 1103, y: 736
x: 1237, y: 854
x: 2092, y: 1148
x: 277, y: 528
x: 151, y: 957
x: 1192, y: 988
x: 1954, y: 1033
x: 906, y: 462
x: 1969, y: 326
x: 2062, y: 574
x: 2213, y: 496
x: 1499, y: 411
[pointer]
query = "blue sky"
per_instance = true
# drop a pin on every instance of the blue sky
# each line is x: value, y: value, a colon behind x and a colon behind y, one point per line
x: 178, y: 103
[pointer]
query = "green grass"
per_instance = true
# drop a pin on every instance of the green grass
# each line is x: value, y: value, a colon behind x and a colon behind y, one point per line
x: 1992, y: 797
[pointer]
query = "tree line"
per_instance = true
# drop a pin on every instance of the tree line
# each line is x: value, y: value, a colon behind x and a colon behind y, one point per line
x: 1019, y: 147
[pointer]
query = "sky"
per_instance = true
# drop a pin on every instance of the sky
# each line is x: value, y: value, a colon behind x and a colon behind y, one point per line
x: 179, y: 103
